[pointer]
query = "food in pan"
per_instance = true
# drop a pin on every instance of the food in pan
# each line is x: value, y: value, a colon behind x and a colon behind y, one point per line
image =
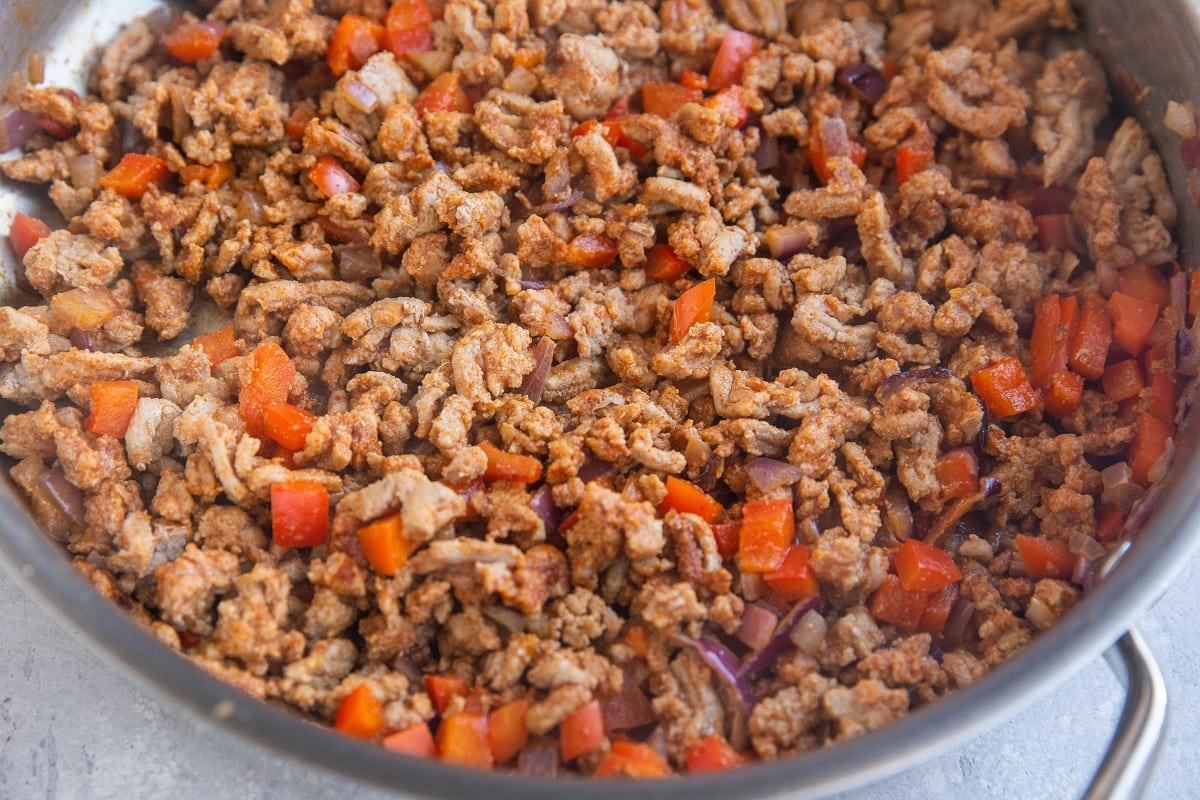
x: 617, y: 388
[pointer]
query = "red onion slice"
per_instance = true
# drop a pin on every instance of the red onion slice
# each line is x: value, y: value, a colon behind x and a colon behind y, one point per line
x: 766, y: 157
x: 955, y: 511
x: 765, y: 657
x: 358, y: 263
x: 594, y: 469
x: 627, y: 709
x: 724, y: 665
x: 769, y: 474
x: 539, y: 758
x: 897, y: 513
x: 864, y: 80
x: 559, y: 328
x: 531, y: 284
x: 785, y: 241
x: 65, y: 494
x: 911, y: 377
x: 1189, y: 153
x: 16, y: 126
x: 958, y: 619
x: 1081, y: 544
x: 543, y: 358
x: 542, y: 502
x: 1189, y: 353
x: 758, y: 626
x: 408, y: 668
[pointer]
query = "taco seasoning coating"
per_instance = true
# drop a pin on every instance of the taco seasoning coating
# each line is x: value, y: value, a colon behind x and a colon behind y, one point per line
x: 622, y: 388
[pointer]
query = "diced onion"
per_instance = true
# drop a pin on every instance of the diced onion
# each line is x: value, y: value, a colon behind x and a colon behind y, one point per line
x: 539, y: 758
x: 785, y: 241
x: 864, y: 80
x: 809, y: 632
x: 769, y: 474
x: 758, y: 625
x: 16, y: 126
x: 359, y: 95
x: 764, y: 658
x: 1081, y: 544
x: 627, y: 709
x: 63, y: 493
x: 86, y: 171
x: 1179, y: 119
x: 535, y: 382
x: 543, y: 503
x: 358, y: 263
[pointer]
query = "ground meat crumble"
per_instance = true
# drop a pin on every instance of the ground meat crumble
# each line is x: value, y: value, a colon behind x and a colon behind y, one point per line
x: 481, y: 326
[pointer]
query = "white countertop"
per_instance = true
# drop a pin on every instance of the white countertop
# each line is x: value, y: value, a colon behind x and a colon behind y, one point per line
x: 73, y: 726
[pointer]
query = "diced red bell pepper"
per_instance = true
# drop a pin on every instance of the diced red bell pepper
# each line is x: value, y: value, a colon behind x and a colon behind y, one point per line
x: 1064, y: 393
x: 413, y: 741
x: 794, y: 579
x: 712, y: 754
x: 662, y: 264
x: 664, y: 99
x: 25, y: 232
x: 924, y: 568
x: 407, y: 27
x: 728, y: 536
x: 830, y: 139
x: 1110, y: 523
x: 732, y: 104
x: 937, y: 610
x: 1047, y: 348
x: 384, y: 544
x: 894, y: 604
x: 693, y: 306
x: 1045, y: 558
x: 193, y: 41
x: 957, y: 471
x: 591, y: 251
x: 299, y: 514
x: 134, y: 174
x: 687, y: 498
x: 504, y: 466
x: 582, y: 731
x: 506, y: 731
x: 360, y: 714
x: 444, y: 93
x: 218, y: 345
x: 112, y: 406
x: 768, y: 528
x: 632, y: 760
x: 736, y: 49
x: 271, y: 376
x: 213, y: 176
x: 911, y: 160
x: 1150, y: 440
x: 694, y: 80
x: 462, y: 739
x: 297, y: 121
x: 331, y: 177
x: 1132, y: 320
x: 1088, y: 348
x: 1004, y: 387
x: 1056, y: 232
x: 442, y: 689
x: 288, y: 425
x: 1122, y: 380
x: 355, y: 39
x: 1145, y: 283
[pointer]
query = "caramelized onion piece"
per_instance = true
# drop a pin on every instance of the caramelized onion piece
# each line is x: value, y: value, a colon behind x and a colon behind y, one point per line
x: 543, y: 358
x: 16, y: 126
x: 758, y: 626
x: 63, y: 493
x: 785, y: 241
x: 769, y: 474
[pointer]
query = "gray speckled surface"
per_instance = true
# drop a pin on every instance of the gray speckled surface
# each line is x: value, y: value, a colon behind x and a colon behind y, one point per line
x: 73, y: 726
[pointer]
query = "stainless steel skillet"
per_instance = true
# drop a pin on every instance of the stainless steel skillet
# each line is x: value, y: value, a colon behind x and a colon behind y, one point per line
x: 1157, y: 46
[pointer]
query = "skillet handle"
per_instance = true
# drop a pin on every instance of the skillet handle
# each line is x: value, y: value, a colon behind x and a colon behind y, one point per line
x: 1129, y: 761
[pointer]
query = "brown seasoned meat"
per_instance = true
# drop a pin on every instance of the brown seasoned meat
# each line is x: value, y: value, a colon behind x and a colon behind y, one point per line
x: 544, y: 378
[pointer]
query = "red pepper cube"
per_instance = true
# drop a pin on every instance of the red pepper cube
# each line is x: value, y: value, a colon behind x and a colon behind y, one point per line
x: 299, y: 514
x: 1045, y: 558
x: 794, y: 579
x: 894, y: 604
x: 924, y: 568
x: 768, y: 528
x: 1004, y: 387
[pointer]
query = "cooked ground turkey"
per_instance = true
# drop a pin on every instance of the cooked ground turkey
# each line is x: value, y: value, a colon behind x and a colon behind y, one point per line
x: 880, y: 206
